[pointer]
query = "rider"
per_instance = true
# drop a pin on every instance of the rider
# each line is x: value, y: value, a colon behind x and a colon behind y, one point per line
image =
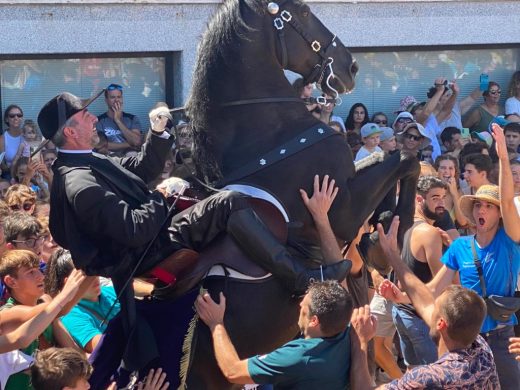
x: 103, y: 212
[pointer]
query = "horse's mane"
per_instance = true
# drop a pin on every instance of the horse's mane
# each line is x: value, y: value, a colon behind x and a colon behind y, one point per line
x: 213, y: 52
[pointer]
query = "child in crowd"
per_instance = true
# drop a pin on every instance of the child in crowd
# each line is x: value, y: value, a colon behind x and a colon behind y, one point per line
x: 19, y: 197
x: 20, y: 273
x: 48, y: 157
x: 370, y: 133
x: 387, y: 141
x: 86, y: 321
x: 512, y: 133
x: 31, y: 135
x: 68, y: 369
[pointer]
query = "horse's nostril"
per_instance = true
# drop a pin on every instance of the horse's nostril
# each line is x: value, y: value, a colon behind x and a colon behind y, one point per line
x: 354, y: 67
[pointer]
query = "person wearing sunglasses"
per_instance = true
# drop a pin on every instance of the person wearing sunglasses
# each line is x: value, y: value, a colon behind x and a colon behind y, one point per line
x: 19, y: 197
x: 12, y: 138
x: 122, y: 129
x: 479, y: 119
x: 413, y: 138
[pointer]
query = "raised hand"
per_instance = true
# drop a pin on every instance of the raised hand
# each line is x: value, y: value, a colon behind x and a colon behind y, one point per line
x: 364, y: 323
x: 155, y: 380
x: 388, y: 241
x: 320, y: 202
x: 391, y: 292
x: 72, y: 285
x: 500, y: 141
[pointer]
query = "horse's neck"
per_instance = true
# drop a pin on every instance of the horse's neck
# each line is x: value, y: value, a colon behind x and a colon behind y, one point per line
x: 249, y: 130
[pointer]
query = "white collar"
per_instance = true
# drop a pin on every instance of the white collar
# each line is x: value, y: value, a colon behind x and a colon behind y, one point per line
x: 70, y: 151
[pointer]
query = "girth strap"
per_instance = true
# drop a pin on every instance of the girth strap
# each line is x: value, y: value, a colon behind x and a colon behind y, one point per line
x: 302, y: 141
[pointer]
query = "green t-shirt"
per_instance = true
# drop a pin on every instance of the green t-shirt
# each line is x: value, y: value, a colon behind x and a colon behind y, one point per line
x: 305, y: 364
x: 22, y: 381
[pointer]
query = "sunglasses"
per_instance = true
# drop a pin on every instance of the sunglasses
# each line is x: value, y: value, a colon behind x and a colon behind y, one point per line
x: 412, y: 137
x: 15, y: 115
x: 113, y: 87
x: 381, y: 122
x: 497, y: 92
x: 31, y: 242
x: 405, y: 120
x: 26, y: 206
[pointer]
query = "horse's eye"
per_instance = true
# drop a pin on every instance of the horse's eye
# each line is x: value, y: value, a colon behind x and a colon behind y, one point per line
x: 305, y: 14
x: 305, y: 11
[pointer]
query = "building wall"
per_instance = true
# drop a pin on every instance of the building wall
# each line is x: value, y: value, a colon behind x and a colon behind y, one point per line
x: 102, y: 26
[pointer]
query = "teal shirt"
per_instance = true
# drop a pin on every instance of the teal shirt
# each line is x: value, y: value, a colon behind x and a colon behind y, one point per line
x: 84, y: 321
x: 305, y: 364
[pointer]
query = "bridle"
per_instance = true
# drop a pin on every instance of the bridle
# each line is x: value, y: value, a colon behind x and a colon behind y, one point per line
x: 280, y: 18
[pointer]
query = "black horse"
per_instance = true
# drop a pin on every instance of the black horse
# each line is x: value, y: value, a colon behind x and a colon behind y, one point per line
x: 251, y: 129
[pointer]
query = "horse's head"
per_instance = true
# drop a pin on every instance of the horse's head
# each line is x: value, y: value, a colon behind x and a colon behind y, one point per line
x: 307, y: 47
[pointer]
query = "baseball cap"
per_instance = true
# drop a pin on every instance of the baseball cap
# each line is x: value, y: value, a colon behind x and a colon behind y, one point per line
x: 426, y: 141
x: 483, y: 136
x: 369, y: 129
x: 387, y: 133
x: 56, y: 111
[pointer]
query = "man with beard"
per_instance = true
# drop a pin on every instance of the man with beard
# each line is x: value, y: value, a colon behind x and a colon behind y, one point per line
x: 422, y: 249
x: 465, y: 360
x: 495, y: 246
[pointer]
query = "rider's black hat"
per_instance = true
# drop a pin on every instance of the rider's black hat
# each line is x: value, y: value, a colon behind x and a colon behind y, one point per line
x: 56, y: 111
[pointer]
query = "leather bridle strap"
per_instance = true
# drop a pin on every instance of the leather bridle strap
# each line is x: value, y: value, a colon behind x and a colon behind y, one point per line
x: 319, y: 69
x: 263, y: 100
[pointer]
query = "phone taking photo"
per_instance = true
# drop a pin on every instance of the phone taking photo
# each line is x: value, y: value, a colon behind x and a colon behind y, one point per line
x: 484, y: 82
x: 464, y: 132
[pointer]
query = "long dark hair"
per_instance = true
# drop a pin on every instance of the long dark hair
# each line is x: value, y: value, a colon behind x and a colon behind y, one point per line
x: 59, y: 267
x: 8, y: 109
x: 349, y: 122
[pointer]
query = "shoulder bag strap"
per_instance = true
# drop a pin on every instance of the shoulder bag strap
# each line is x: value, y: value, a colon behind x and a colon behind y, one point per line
x: 479, y: 269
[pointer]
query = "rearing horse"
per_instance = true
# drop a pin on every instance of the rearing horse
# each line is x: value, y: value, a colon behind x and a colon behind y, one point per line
x: 243, y: 111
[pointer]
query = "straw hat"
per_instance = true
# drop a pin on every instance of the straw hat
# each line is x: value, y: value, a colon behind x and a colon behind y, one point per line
x: 487, y: 193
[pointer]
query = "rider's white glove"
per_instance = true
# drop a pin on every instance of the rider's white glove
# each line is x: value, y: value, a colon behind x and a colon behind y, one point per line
x: 159, y: 117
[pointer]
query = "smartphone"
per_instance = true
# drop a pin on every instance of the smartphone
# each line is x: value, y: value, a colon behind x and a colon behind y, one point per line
x: 484, y: 82
x: 464, y: 132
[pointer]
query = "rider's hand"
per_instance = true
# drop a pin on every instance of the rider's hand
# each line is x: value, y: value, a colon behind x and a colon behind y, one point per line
x: 322, y: 198
x: 514, y: 347
x: 209, y: 311
x: 159, y: 117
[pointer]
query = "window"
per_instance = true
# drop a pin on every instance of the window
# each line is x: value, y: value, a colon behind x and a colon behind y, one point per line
x: 31, y: 83
x: 385, y: 77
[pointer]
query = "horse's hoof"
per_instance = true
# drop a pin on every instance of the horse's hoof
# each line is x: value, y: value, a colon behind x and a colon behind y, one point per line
x: 372, y: 254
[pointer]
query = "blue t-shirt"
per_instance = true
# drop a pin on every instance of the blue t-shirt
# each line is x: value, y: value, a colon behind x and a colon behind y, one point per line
x: 316, y: 363
x: 85, y: 320
x: 500, y: 266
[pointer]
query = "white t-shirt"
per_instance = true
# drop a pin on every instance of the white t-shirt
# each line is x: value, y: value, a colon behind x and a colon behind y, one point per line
x: 364, y: 152
x: 454, y: 120
x: 512, y: 106
x: 11, y: 363
x: 432, y: 129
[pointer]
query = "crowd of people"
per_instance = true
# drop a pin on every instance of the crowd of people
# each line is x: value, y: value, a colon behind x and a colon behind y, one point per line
x: 439, y: 319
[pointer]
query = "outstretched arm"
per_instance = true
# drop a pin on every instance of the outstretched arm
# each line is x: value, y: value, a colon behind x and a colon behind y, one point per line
x: 30, y: 330
x: 510, y: 216
x: 319, y: 206
x: 419, y: 294
x: 234, y: 369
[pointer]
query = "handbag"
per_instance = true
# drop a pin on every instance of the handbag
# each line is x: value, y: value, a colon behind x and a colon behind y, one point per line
x: 499, y: 308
